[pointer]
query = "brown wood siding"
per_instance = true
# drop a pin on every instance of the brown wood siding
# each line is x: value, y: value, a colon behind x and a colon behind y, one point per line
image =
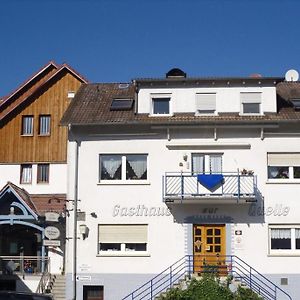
x: 51, y: 100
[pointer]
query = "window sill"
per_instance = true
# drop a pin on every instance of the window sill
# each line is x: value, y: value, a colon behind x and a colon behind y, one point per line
x: 284, y: 254
x: 26, y: 135
x: 251, y: 114
x: 283, y: 181
x: 123, y: 182
x: 161, y: 115
x: 43, y: 183
x: 123, y: 254
x: 41, y: 135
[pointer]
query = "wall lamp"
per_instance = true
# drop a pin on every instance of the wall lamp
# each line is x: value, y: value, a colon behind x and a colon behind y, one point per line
x: 84, y: 230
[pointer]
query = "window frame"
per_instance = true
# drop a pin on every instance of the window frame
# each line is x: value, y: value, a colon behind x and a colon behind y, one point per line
x: 41, y: 133
x: 122, y: 244
x: 39, y: 173
x: 284, y: 252
x: 24, y: 117
x: 161, y: 97
x: 123, y: 177
x: 207, y: 162
x: 258, y: 102
x: 22, y: 166
x: 206, y: 112
x: 291, y: 168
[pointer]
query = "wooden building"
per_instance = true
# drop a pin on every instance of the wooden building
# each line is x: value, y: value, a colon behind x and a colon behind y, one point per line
x: 33, y: 170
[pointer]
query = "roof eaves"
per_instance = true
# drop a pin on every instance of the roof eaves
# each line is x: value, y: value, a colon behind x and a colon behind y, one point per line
x: 19, y: 88
x: 39, y: 87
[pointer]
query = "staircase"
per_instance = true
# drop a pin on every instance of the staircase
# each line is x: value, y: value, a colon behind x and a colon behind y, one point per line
x: 57, y: 287
x: 221, y: 265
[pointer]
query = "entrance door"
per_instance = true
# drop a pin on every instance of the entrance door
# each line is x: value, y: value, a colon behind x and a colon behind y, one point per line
x: 209, y: 247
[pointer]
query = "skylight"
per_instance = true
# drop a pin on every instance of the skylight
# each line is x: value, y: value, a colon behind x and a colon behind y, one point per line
x: 121, y: 104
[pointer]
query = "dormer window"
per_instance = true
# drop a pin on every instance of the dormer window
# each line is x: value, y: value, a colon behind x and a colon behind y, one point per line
x: 251, y: 103
x: 161, y: 104
x: 206, y: 104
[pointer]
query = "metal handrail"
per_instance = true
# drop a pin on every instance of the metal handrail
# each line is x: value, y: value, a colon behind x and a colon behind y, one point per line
x: 235, y: 266
x: 185, y: 184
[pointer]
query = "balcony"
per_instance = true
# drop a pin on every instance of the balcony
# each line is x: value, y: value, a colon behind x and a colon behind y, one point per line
x: 186, y: 187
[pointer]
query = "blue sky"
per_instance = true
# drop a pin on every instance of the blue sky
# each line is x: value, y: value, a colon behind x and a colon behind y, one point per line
x: 117, y: 40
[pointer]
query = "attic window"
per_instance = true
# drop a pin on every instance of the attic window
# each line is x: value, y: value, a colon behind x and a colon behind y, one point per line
x: 296, y: 103
x: 121, y: 104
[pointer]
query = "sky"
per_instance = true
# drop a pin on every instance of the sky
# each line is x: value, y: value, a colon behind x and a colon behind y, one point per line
x: 119, y: 40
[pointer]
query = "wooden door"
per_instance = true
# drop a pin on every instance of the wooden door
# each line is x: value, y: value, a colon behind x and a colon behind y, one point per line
x: 209, y: 248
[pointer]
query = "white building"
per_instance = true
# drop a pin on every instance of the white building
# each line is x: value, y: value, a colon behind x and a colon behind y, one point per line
x: 202, y: 168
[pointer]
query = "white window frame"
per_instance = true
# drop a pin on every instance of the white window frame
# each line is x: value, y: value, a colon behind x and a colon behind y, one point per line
x: 160, y: 96
x: 28, y: 179
x: 211, y: 104
x: 251, y: 101
x: 284, y: 252
x: 207, y: 161
x: 123, y: 179
x: 23, y: 131
x: 285, y: 163
x: 122, y: 244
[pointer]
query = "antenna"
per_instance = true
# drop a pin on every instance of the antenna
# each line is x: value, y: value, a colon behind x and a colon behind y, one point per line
x: 291, y: 75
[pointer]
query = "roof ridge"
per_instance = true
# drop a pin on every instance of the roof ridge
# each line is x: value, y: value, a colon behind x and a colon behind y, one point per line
x: 27, y: 81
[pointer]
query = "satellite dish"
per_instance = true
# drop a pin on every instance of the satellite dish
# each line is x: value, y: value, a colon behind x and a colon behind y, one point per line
x: 291, y: 75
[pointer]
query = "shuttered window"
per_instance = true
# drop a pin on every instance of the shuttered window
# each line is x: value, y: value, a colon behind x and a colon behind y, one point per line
x: 283, y: 165
x: 251, y: 103
x: 44, y: 125
x: 123, y: 237
x: 206, y: 103
x: 27, y: 125
x: 283, y: 159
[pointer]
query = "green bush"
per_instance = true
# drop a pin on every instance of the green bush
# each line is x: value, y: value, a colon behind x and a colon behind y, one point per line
x: 209, y: 287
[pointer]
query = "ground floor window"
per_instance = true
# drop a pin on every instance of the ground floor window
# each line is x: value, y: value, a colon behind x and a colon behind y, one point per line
x: 117, y: 238
x: 284, y: 239
x: 93, y: 292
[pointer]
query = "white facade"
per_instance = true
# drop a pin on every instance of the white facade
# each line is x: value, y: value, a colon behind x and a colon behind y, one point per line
x: 170, y: 226
x: 57, y: 178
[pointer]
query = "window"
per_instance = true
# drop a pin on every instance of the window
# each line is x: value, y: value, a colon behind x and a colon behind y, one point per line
x: 26, y: 173
x: 27, y: 125
x: 206, y: 103
x: 123, y: 238
x: 251, y: 103
x: 123, y: 167
x: 206, y: 163
x: 284, y: 238
x: 285, y: 166
x: 93, y: 292
x: 161, y: 105
x: 121, y: 104
x: 44, y: 125
x: 43, y: 173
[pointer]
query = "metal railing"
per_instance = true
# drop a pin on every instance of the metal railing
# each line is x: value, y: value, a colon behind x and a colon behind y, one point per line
x: 183, y: 185
x: 220, y: 265
x: 24, y: 265
x: 44, y: 282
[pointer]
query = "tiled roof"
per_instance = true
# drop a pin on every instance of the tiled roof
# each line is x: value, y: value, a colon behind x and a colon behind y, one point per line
x: 23, y: 194
x: 49, y: 202
x: 91, y: 106
x: 28, y: 88
x: 40, y: 203
x: 288, y: 90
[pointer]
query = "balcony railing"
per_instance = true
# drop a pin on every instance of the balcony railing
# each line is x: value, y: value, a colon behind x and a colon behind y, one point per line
x: 187, y: 186
x: 23, y: 265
